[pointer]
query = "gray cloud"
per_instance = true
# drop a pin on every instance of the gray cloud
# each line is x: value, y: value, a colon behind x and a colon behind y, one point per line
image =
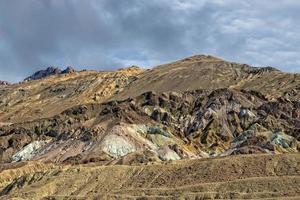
x: 109, y: 34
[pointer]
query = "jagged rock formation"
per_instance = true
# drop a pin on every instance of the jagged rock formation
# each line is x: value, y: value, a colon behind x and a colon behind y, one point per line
x: 49, y: 72
x: 44, y: 73
x: 198, y: 107
x: 68, y: 70
x: 4, y: 83
x: 173, y: 126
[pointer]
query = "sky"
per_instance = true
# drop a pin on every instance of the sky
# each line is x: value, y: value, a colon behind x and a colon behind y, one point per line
x: 110, y: 34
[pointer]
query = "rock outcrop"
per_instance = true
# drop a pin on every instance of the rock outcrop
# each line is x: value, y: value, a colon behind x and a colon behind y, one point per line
x: 49, y: 72
x: 4, y: 83
x: 43, y: 73
x: 172, y: 125
x: 68, y: 70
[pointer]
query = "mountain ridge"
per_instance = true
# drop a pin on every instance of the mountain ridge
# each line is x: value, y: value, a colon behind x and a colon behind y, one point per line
x: 49, y: 71
x: 192, y: 73
x: 194, y: 58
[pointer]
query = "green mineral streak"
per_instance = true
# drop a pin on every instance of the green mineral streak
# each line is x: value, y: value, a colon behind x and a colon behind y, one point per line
x: 145, y: 129
x: 157, y: 130
x: 281, y: 139
x: 244, y: 136
x: 155, y: 134
x: 276, y: 138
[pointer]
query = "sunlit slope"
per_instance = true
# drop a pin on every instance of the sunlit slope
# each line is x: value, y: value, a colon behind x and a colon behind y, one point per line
x: 49, y: 96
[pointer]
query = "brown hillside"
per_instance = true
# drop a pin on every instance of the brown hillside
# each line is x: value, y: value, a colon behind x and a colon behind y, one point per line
x: 208, y: 72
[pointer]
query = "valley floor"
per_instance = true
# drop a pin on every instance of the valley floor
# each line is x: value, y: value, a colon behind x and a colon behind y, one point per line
x: 235, y: 177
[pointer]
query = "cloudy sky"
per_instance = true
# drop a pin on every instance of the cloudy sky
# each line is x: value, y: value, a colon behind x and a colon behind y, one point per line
x: 109, y: 34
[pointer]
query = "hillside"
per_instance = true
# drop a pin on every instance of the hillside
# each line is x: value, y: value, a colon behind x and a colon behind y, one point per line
x: 51, y: 95
x: 208, y: 72
x: 197, y: 112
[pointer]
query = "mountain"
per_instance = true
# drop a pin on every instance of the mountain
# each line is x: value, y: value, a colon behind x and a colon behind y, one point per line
x: 208, y: 72
x: 199, y: 108
x: 4, y: 83
x: 68, y: 70
x: 49, y: 72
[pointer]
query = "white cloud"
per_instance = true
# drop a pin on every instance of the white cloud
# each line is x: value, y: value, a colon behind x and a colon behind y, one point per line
x: 110, y: 33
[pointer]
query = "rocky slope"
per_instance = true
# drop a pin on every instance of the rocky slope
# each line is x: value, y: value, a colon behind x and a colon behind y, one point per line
x: 199, y: 107
x: 166, y: 126
x: 208, y: 72
x: 51, y: 95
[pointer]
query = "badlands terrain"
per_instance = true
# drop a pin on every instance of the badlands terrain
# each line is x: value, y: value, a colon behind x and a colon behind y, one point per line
x: 197, y: 128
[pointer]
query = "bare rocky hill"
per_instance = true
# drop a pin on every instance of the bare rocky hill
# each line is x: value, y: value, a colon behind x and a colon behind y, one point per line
x: 208, y: 72
x: 200, y: 107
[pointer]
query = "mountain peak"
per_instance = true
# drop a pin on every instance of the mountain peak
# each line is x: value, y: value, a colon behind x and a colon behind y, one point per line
x: 48, y: 72
x: 43, y: 73
x: 68, y: 70
x: 4, y: 83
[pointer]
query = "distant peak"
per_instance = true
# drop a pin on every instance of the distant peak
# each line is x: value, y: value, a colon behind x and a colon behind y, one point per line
x: 68, y: 70
x: 49, y: 71
x: 4, y: 83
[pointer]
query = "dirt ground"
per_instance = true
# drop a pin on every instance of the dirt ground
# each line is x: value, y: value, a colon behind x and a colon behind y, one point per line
x: 235, y: 177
